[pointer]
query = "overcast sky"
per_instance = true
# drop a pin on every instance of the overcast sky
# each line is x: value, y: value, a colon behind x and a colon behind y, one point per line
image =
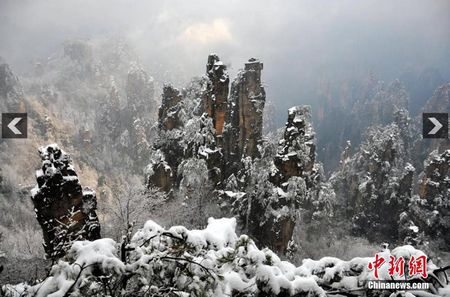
x: 298, y: 41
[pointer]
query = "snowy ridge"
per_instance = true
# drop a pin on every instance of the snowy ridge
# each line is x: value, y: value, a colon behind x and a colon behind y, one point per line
x: 209, y: 262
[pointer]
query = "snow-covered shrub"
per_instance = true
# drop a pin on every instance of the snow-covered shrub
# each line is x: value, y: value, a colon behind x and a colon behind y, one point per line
x: 209, y: 262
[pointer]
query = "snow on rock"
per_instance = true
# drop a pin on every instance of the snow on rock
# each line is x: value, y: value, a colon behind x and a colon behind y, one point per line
x: 170, y: 109
x: 64, y: 210
x: 216, y: 94
x: 294, y: 183
x: 431, y: 213
x: 244, y: 116
x: 375, y: 185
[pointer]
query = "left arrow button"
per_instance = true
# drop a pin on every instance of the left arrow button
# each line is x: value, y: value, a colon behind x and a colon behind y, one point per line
x: 12, y: 126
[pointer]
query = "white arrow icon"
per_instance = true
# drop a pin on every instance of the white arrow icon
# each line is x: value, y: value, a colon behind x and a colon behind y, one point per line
x: 437, y: 126
x: 12, y: 126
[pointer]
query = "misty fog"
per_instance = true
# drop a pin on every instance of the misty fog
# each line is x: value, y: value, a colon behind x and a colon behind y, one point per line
x: 300, y: 42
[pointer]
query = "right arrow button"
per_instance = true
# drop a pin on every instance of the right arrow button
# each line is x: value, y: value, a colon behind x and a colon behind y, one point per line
x: 437, y: 126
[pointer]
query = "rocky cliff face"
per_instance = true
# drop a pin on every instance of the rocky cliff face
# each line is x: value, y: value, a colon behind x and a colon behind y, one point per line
x: 295, y: 185
x: 375, y: 184
x: 243, y: 129
x: 266, y: 190
x: 296, y: 151
x: 433, y: 212
x: 170, y: 109
x: 64, y: 211
x: 216, y: 95
x: 167, y: 152
x: 108, y: 122
x: 238, y: 118
x: 139, y: 141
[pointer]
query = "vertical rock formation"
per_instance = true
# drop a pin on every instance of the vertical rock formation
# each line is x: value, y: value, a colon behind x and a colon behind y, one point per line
x: 294, y: 181
x: 435, y: 178
x: 114, y: 97
x: 108, y: 120
x: 346, y: 153
x: 140, y: 143
x: 376, y: 182
x: 243, y: 129
x: 140, y: 93
x: 216, y: 95
x: 64, y: 211
x: 267, y: 194
x: 159, y: 174
x: 169, y: 111
x: 1, y: 182
x: 296, y: 151
x: 238, y: 118
x: 433, y: 211
x: 168, y: 151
